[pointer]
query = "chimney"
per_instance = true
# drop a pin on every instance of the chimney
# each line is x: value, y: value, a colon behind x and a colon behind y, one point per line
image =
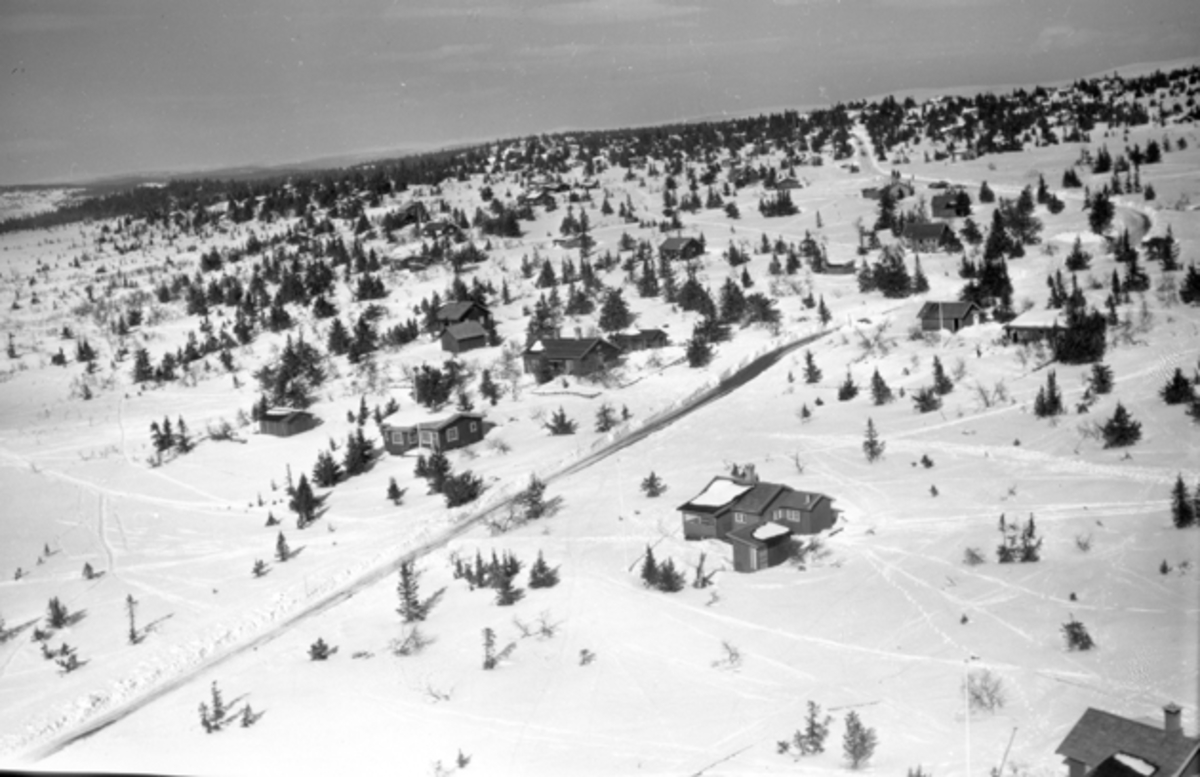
x: 749, y: 474
x: 1172, y: 719
x: 578, y: 333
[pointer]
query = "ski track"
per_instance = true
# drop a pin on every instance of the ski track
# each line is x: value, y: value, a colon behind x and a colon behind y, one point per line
x: 127, y: 695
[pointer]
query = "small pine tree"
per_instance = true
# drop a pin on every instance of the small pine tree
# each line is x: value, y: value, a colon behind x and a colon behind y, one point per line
x: 881, y: 393
x: 816, y: 731
x: 319, y: 650
x: 872, y: 446
x: 1121, y: 430
x: 812, y: 373
x: 649, y: 569
x: 506, y: 591
x: 394, y: 492
x: 1178, y: 389
x: 652, y: 485
x: 606, y: 418
x: 1077, y: 636
x: 848, y: 390
x: 560, y: 424
x: 1049, y: 399
x: 699, y: 352
x: 859, y: 741
x: 1183, y: 509
x: 542, y: 575
x: 408, y: 588
x: 57, y: 614
x: 1100, y: 381
x: 823, y: 313
x: 260, y: 568
x: 282, y: 551
x: 670, y: 579
x: 941, y: 381
x: 131, y: 609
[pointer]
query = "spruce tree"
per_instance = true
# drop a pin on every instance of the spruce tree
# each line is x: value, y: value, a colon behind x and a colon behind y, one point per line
x: 1121, y: 430
x: 606, y: 418
x: 507, y: 592
x: 1183, y: 509
x: 303, y: 503
x: 649, y: 569
x: 872, y: 446
x: 1049, y: 399
x: 848, y: 390
x: 941, y: 382
x: 881, y: 393
x: 812, y: 373
x: 488, y: 388
x: 860, y: 741
x: 437, y: 471
x: 409, y: 590
x: 541, y: 574
x: 614, y: 314
x: 326, y: 471
x: 560, y: 424
x: 670, y: 580
x: 282, y: 551
x: 1177, y: 390
x: 652, y: 485
x: 699, y: 352
x: 920, y: 284
x: 823, y: 312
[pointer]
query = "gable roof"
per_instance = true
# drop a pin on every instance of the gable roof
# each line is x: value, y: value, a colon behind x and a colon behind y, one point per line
x: 567, y: 348
x: 760, y: 535
x: 946, y: 309
x: 946, y: 200
x: 466, y: 330
x: 799, y: 500
x: 284, y: 414
x: 413, y: 419
x: 931, y: 231
x: 677, y: 243
x: 455, y: 311
x: 1100, y: 734
x: 1038, y: 318
x: 758, y: 498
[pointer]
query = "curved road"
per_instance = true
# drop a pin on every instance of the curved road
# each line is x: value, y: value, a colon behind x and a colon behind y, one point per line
x: 368, y: 579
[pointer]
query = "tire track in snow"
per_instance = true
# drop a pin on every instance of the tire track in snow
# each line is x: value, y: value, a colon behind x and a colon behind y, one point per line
x: 87, y: 716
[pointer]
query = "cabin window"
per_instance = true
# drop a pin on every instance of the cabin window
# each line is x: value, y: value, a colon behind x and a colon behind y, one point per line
x: 790, y: 515
x: 739, y: 518
x: 452, y: 434
x: 397, y: 438
x: 426, y: 438
x: 474, y: 426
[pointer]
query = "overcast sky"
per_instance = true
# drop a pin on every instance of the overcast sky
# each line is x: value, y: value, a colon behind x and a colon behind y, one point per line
x: 106, y: 87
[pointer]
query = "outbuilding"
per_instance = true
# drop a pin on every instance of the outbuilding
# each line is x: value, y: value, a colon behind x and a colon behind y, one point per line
x: 285, y: 421
x: 461, y: 429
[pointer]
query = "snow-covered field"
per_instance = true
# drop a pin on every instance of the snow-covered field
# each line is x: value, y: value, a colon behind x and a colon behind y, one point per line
x: 887, y: 621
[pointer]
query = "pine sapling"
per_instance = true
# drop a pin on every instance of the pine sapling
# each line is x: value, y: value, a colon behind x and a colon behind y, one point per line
x: 859, y: 741
x: 652, y: 485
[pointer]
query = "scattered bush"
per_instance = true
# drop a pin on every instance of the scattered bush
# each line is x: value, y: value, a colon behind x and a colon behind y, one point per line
x: 859, y: 742
x: 319, y: 651
x: 984, y: 691
x: 1077, y: 635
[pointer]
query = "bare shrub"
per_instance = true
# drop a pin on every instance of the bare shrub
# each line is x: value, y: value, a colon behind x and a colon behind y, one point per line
x: 1083, y: 542
x: 984, y: 691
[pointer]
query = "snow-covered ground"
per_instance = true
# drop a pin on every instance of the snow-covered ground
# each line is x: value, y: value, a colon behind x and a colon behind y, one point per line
x: 886, y: 622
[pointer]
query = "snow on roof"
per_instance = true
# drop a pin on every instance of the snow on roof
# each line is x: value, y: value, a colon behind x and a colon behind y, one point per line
x: 537, y: 346
x: 1046, y: 317
x: 770, y: 530
x: 721, y: 491
x: 1136, y: 764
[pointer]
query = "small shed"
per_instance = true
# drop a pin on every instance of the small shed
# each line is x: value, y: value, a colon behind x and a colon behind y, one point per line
x: 953, y: 316
x: 466, y: 336
x: 1034, y: 325
x: 680, y: 248
x: 401, y: 434
x: 640, y: 339
x: 759, y: 547
x: 285, y: 421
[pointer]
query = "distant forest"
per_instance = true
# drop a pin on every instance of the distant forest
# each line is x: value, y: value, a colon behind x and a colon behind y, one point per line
x: 983, y: 124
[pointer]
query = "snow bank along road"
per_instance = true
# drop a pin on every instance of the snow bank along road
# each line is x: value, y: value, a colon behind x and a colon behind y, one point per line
x: 729, y: 384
